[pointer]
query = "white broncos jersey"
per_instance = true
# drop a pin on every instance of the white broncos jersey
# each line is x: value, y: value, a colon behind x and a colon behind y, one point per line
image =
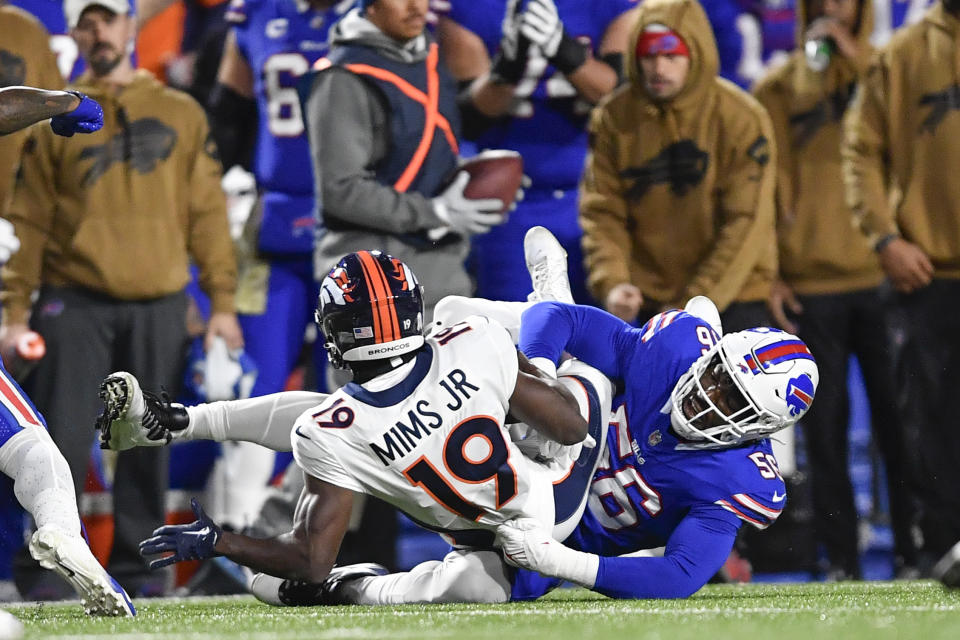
x: 434, y: 444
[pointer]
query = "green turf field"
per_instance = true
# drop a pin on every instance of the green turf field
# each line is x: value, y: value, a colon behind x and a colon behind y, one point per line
x: 850, y: 611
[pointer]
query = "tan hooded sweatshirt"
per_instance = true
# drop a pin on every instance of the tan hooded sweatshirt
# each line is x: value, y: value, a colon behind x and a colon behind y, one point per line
x: 821, y: 251
x: 901, y: 157
x: 678, y: 197
x: 121, y: 211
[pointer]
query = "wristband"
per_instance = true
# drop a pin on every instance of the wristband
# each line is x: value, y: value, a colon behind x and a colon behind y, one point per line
x: 506, y: 71
x: 571, y: 55
x: 884, y: 241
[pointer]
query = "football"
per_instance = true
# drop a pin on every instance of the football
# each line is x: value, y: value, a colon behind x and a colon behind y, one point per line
x: 496, y: 173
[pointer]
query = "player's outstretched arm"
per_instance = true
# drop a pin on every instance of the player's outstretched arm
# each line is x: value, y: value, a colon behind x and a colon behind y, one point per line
x: 547, y: 329
x: 544, y: 404
x: 72, y: 112
x: 696, y: 550
x: 306, y: 553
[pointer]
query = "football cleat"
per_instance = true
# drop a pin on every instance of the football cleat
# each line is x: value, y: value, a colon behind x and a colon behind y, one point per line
x: 70, y: 557
x: 704, y: 308
x: 547, y: 265
x: 297, y: 593
x: 133, y: 417
x: 947, y: 569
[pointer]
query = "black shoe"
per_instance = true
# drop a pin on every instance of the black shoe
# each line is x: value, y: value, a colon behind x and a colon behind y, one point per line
x: 947, y: 569
x: 294, y: 593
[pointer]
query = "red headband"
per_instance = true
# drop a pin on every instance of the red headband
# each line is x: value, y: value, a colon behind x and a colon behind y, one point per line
x: 661, y: 43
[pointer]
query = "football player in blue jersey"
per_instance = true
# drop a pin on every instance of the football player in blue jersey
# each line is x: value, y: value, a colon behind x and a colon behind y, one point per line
x: 688, y: 458
x: 271, y: 44
x: 532, y: 69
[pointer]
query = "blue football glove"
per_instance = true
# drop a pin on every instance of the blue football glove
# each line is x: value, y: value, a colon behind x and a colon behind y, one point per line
x: 194, y: 541
x: 86, y: 118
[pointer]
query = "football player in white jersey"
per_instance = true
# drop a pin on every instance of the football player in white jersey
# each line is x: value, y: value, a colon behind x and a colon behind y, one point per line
x: 423, y: 425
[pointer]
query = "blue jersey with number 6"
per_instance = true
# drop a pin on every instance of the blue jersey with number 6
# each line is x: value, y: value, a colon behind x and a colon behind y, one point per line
x: 280, y: 40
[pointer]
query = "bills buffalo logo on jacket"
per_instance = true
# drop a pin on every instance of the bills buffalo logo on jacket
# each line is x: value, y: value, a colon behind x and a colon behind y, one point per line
x: 142, y: 144
x: 682, y: 165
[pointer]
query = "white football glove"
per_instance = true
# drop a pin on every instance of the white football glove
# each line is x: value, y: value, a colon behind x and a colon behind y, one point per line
x: 542, y: 25
x: 525, y: 543
x: 510, y: 30
x: 466, y: 215
x: 9, y: 242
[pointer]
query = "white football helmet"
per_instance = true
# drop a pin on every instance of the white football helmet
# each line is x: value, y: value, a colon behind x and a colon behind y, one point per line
x: 749, y: 385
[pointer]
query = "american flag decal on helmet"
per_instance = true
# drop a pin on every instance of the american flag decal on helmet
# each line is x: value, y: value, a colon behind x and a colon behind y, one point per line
x: 775, y: 353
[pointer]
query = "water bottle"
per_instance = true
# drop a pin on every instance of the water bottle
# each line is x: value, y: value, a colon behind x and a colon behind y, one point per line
x: 818, y: 53
x: 25, y: 355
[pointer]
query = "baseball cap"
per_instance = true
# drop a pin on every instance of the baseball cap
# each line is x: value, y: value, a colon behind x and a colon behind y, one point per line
x: 73, y: 9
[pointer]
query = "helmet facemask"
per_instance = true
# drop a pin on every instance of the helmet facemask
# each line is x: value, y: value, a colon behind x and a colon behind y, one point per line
x: 715, y: 404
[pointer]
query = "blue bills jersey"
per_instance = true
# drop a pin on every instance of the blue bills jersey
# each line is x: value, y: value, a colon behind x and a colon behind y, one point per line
x: 548, y: 126
x: 280, y: 40
x: 50, y: 13
x: 649, y: 481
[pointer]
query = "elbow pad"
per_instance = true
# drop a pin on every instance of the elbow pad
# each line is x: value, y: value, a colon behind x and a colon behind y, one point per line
x: 233, y: 125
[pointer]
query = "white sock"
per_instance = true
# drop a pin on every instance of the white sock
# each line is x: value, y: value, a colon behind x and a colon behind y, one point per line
x: 462, y: 576
x: 264, y: 420
x: 41, y: 479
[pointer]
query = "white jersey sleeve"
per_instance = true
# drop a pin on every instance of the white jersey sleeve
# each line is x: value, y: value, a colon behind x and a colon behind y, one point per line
x: 315, y: 459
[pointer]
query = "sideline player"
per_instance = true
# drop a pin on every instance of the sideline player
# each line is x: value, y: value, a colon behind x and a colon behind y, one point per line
x: 422, y: 426
x: 271, y: 44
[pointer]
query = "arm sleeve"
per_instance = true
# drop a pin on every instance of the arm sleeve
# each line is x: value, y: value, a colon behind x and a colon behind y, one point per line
x: 864, y: 156
x: 547, y: 329
x: 695, y: 552
x: 745, y: 212
x: 604, y: 212
x: 31, y: 212
x: 209, y: 239
x: 344, y: 118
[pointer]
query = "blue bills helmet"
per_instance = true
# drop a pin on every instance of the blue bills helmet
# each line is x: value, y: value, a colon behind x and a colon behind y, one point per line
x: 370, y: 308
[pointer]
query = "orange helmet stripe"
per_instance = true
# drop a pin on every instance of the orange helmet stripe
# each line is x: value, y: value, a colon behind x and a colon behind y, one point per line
x: 384, y: 308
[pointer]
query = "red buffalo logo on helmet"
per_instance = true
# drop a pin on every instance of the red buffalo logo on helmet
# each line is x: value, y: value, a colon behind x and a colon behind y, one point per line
x: 400, y: 274
x: 343, y: 282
